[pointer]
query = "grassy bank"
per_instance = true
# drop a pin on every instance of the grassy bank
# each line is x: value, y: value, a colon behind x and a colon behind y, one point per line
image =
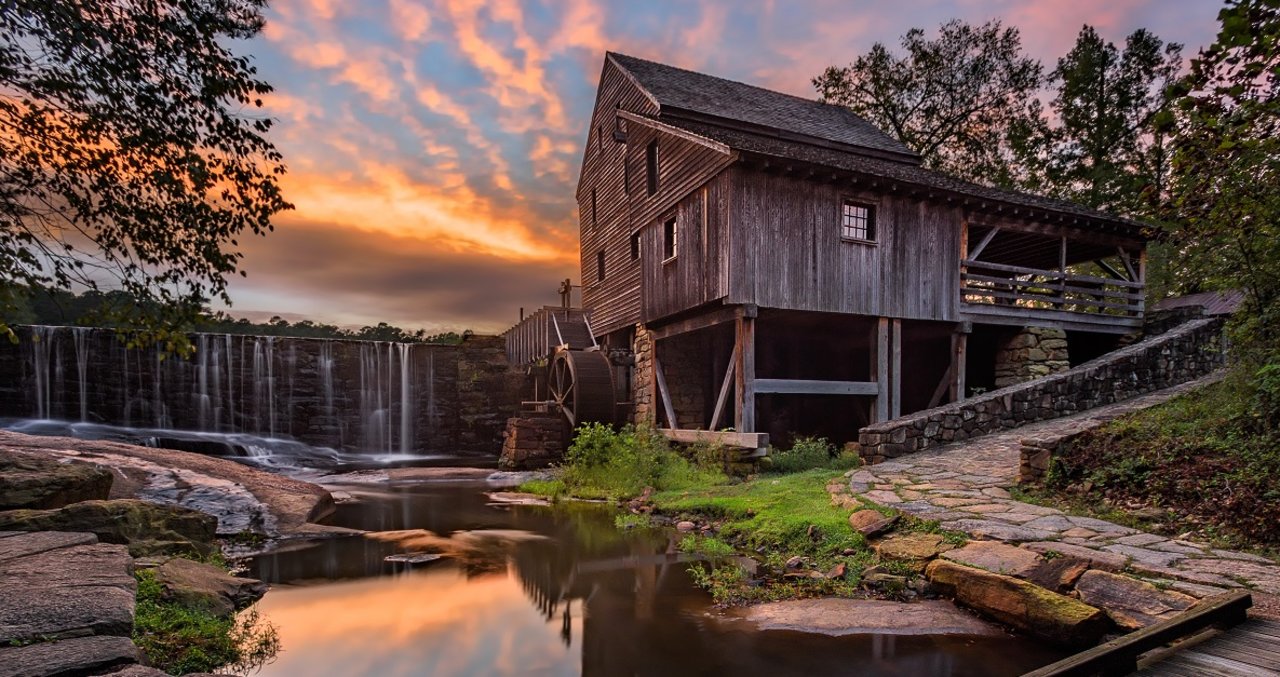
x: 1206, y: 465
x: 183, y: 638
x: 774, y: 533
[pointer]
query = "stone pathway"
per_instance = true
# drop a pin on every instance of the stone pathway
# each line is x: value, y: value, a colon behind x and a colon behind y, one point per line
x: 965, y: 487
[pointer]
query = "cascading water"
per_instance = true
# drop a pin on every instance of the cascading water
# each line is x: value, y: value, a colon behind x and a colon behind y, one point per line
x: 366, y: 397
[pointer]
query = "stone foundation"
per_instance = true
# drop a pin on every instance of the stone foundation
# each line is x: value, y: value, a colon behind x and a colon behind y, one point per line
x: 684, y: 364
x: 1033, y: 352
x: 533, y: 441
x: 643, y: 388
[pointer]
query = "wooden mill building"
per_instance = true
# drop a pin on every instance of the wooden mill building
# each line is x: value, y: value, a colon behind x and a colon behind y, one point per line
x: 780, y: 265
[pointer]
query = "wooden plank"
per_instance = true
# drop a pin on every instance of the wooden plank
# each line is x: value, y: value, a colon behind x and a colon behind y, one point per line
x: 1266, y: 627
x: 960, y: 364
x: 1120, y: 655
x: 1214, y: 665
x: 724, y: 390
x: 1230, y: 647
x: 745, y: 374
x: 943, y: 386
x: 705, y: 320
x: 986, y: 240
x: 811, y: 387
x: 895, y: 376
x: 662, y: 390
x: 727, y: 438
x: 986, y: 313
x: 1110, y: 270
x: 882, y: 369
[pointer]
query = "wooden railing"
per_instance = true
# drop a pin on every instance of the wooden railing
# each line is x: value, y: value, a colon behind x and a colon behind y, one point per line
x: 999, y: 284
x: 534, y: 337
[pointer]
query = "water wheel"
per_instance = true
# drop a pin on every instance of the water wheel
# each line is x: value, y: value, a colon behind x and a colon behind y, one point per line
x: 581, y: 385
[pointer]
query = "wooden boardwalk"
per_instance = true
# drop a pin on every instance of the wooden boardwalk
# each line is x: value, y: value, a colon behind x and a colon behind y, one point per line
x: 1251, y: 648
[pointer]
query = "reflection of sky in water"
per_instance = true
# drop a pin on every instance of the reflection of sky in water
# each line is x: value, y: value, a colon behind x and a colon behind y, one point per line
x: 433, y: 622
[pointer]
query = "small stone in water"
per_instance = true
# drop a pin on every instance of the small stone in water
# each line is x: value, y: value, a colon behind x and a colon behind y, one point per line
x: 686, y: 525
x: 413, y: 558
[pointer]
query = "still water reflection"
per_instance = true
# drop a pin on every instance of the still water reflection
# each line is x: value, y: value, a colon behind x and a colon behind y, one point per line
x: 530, y: 590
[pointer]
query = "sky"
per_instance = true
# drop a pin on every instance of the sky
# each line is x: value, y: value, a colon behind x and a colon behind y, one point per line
x: 433, y: 145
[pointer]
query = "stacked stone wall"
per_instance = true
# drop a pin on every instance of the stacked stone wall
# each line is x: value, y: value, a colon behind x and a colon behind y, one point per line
x: 1033, y: 352
x: 1180, y: 355
x: 533, y: 441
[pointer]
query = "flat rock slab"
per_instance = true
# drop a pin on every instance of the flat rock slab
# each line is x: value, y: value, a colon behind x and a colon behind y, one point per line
x: 996, y: 557
x: 22, y: 544
x: 999, y: 531
x: 31, y: 480
x: 839, y: 617
x: 68, y: 592
x: 1097, y: 559
x: 912, y: 547
x: 147, y: 528
x: 78, y: 656
x: 1132, y: 604
x: 870, y: 522
x: 200, y: 585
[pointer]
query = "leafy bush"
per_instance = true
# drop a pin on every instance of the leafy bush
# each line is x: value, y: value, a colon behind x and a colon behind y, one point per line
x: 604, y: 463
x: 812, y: 452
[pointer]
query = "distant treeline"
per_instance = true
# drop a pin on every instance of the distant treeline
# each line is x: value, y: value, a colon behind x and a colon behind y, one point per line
x: 113, y: 308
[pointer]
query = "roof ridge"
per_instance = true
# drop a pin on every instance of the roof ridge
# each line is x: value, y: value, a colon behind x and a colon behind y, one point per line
x: 723, y: 79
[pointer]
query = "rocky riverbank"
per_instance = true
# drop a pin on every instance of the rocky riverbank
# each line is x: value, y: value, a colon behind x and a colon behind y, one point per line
x: 84, y: 523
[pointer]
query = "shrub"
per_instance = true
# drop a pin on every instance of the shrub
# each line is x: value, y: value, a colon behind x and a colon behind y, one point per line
x: 604, y: 463
x: 812, y: 452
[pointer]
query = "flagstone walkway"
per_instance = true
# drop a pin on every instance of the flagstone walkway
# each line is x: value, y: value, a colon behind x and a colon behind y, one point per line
x: 965, y: 487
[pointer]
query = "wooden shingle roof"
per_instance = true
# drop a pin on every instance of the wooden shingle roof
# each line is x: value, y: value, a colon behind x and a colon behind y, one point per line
x: 691, y: 95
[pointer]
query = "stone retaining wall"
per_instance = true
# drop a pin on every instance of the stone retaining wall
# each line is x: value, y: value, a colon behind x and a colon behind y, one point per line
x: 534, y: 441
x: 1180, y: 355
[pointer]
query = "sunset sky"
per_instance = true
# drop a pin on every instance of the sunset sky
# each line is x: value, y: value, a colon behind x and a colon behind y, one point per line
x: 433, y: 145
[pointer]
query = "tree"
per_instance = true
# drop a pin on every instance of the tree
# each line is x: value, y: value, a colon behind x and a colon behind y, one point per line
x: 127, y: 157
x: 961, y: 100
x: 1105, y: 151
x: 1226, y: 170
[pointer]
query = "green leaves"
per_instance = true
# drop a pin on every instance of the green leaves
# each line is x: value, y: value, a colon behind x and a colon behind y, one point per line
x: 130, y: 155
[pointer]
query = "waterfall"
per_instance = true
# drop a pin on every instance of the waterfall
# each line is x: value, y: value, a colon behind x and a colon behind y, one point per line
x: 406, y: 404
x: 231, y: 386
x: 81, y: 334
x: 215, y: 358
x: 40, y: 347
x: 373, y: 412
x: 203, y: 406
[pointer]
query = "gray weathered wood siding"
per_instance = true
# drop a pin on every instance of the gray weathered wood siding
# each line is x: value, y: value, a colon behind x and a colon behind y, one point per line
x: 684, y: 166
x: 787, y: 251
x: 614, y: 303
x: 699, y: 273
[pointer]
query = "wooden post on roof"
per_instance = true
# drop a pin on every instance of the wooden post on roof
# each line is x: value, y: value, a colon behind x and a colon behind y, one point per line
x: 745, y: 371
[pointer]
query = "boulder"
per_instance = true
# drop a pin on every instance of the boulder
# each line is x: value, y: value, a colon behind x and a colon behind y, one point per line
x: 29, y: 481
x: 871, y: 522
x: 1025, y: 606
x: 1132, y: 604
x: 147, y: 528
x: 61, y: 592
x: 76, y: 656
x: 915, y: 549
x: 199, y: 585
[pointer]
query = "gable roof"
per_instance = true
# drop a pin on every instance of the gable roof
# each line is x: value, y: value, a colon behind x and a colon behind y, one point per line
x: 687, y: 94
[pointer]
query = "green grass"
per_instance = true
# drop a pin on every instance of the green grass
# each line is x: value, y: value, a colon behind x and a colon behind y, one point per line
x: 181, y: 639
x: 1209, y: 459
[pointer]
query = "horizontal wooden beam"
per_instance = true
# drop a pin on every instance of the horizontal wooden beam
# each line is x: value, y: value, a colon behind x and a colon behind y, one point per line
x: 710, y: 318
x: 985, y: 313
x: 726, y: 438
x: 802, y: 387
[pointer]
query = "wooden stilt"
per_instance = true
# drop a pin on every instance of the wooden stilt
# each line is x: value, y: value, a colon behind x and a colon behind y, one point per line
x: 724, y: 390
x: 895, y: 377
x: 882, y: 369
x: 959, y: 364
x: 745, y: 374
x: 663, y: 393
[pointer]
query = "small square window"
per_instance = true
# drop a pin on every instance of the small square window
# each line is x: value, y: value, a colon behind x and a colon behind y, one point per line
x: 600, y: 266
x: 651, y: 166
x: 635, y: 246
x: 858, y: 221
x: 669, y: 233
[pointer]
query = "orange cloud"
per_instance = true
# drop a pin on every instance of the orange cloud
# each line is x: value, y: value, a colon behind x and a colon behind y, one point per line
x: 410, y: 20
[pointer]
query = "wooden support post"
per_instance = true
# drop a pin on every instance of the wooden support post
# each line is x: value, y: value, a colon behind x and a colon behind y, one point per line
x: 662, y: 389
x: 1062, y: 270
x: 1142, y: 278
x: 745, y: 374
x: 959, y: 364
x: 895, y: 377
x: 882, y: 369
x: 724, y: 389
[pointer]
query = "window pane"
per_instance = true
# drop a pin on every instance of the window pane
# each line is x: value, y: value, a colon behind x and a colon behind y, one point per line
x: 857, y: 221
x: 669, y: 239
